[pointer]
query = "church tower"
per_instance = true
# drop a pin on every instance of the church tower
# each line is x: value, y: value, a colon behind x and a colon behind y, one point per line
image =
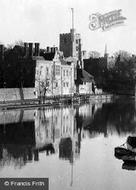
x: 70, y: 43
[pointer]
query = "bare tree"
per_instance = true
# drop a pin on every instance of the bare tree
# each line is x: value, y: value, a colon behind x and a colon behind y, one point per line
x: 94, y: 54
x: 122, y: 55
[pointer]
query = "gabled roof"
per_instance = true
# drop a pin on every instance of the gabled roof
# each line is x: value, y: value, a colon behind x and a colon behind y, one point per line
x: 86, y: 77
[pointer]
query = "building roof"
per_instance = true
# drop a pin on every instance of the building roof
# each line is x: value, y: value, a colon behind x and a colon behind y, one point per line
x: 83, y: 76
x: 63, y: 62
x: 86, y: 77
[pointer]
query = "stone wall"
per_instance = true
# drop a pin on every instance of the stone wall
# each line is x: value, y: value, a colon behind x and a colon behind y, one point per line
x: 15, y: 94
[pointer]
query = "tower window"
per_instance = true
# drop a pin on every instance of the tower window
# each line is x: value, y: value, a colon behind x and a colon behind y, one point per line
x: 76, y: 41
x: 65, y: 40
x: 57, y: 70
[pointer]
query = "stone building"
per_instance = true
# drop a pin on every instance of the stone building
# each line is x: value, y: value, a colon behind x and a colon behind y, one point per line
x: 84, y: 82
x: 54, y: 74
x: 70, y: 44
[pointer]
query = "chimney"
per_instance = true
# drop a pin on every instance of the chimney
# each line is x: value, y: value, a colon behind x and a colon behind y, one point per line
x: 48, y: 49
x: 30, y: 50
x: 26, y: 49
x: 53, y: 49
x: 37, y: 49
x: 1, y: 51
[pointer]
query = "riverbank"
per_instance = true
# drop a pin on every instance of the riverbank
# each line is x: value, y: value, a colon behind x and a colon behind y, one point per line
x: 55, y: 101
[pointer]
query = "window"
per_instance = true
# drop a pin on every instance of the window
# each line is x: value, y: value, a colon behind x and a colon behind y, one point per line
x: 64, y: 84
x: 57, y: 70
x: 47, y: 70
x: 67, y: 72
x: 64, y: 72
x: 56, y: 84
x: 76, y: 41
x: 65, y: 40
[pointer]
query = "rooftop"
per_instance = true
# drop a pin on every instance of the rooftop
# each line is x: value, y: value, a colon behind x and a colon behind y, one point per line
x: 86, y: 77
x: 83, y: 76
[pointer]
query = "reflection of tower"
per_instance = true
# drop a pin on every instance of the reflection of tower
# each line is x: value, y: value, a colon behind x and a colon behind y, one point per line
x: 36, y: 155
x: 72, y: 171
x: 69, y: 146
x: 79, y: 120
x: 105, y: 52
x: 106, y: 55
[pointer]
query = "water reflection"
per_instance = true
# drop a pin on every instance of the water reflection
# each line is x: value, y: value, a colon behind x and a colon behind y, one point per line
x: 25, y: 134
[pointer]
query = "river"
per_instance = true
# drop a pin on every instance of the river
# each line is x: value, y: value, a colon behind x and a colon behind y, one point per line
x: 72, y: 146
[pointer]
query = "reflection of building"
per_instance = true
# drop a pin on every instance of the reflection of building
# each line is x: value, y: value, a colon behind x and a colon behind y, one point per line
x: 57, y: 127
x: 47, y: 127
x: 27, y: 133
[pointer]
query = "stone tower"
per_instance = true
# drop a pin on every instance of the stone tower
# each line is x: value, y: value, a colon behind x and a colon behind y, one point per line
x: 70, y: 43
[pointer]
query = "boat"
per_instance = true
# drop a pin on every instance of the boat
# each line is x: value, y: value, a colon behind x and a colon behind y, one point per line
x: 129, y: 166
x: 127, y: 151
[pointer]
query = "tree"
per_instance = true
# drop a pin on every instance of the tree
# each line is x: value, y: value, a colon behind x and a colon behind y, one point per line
x: 122, y: 76
x: 122, y: 55
x: 94, y: 54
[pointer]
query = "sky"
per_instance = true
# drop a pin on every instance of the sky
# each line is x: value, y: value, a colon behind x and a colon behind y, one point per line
x: 43, y: 20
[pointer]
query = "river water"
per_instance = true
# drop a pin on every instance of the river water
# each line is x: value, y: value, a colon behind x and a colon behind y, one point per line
x: 72, y: 146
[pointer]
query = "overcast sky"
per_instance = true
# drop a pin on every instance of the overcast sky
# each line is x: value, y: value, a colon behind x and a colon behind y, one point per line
x: 44, y: 20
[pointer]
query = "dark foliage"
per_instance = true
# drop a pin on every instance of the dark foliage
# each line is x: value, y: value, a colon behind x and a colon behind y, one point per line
x: 16, y: 70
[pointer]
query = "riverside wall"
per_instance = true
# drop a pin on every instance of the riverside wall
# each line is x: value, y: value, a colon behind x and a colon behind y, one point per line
x: 15, y: 98
x: 16, y: 94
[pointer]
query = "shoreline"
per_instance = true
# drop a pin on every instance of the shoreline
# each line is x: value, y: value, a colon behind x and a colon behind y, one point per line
x: 55, y: 101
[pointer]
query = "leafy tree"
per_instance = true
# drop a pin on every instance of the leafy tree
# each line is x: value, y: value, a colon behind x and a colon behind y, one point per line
x: 122, y: 76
